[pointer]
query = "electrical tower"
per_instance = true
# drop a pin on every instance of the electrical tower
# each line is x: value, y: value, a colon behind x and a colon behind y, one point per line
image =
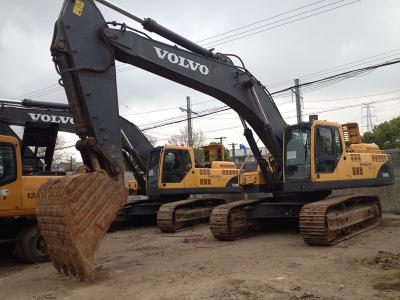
x: 368, y: 116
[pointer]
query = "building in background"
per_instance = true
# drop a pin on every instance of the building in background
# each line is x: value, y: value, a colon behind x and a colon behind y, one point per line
x: 244, y: 154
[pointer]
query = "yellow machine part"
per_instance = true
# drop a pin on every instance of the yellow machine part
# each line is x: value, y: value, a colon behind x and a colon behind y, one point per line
x: 213, y: 152
x: 217, y: 175
x: 358, y: 161
x: 134, y: 187
x: 19, y: 196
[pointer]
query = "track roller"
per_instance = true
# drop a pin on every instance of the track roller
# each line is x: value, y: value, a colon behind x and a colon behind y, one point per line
x: 230, y: 221
x: 180, y: 214
x: 337, y: 218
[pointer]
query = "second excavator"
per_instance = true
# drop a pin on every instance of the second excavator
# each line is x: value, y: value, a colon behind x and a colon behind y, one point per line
x: 306, y: 161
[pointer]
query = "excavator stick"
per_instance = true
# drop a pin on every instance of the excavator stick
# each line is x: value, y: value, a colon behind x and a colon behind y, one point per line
x: 74, y: 214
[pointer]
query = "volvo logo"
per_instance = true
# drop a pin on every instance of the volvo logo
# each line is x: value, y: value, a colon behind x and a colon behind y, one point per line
x: 181, y: 61
x: 51, y: 118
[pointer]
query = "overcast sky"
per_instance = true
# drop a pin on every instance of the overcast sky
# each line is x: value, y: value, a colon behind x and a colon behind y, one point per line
x: 365, y: 29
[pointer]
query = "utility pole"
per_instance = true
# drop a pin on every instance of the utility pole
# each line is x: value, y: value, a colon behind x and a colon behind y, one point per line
x: 299, y: 100
x: 189, y: 112
x: 70, y: 163
x: 220, y: 139
x: 233, y: 152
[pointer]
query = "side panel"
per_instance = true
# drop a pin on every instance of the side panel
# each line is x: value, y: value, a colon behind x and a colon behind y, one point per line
x: 341, y: 169
x: 350, y: 165
x: 30, y: 186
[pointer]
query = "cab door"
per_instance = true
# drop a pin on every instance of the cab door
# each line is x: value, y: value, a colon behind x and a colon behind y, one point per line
x: 327, y: 152
x: 10, y: 186
x: 176, y: 165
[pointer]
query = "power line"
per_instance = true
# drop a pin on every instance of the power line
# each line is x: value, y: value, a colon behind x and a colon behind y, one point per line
x: 260, y: 21
x: 123, y: 68
x: 184, y: 120
x: 168, y: 108
x: 349, y: 106
x: 351, y: 64
x: 243, y: 33
x: 342, y: 76
x: 279, y: 25
x: 224, y: 108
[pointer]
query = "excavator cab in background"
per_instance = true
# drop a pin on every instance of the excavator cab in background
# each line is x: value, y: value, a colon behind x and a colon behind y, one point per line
x: 19, y: 184
x: 213, y: 152
x: 173, y: 168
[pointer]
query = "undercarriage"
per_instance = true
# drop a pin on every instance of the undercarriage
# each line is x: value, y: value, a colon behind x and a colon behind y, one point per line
x: 324, y: 222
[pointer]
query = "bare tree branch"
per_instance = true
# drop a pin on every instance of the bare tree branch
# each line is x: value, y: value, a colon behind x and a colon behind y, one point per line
x: 182, y: 138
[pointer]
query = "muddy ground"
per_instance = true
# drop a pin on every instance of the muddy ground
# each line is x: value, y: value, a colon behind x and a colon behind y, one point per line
x: 142, y: 263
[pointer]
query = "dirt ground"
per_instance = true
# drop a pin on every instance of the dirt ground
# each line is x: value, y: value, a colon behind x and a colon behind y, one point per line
x: 142, y: 263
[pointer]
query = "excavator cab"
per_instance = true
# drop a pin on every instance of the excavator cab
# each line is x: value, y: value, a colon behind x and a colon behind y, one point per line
x: 168, y: 165
x: 173, y: 169
x: 168, y: 169
x: 319, y: 155
x: 301, y: 154
x: 213, y: 152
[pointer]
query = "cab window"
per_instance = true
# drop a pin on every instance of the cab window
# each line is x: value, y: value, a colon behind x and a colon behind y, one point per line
x: 177, y: 163
x: 8, y: 164
x: 328, y: 149
x: 297, y: 153
x: 152, y: 174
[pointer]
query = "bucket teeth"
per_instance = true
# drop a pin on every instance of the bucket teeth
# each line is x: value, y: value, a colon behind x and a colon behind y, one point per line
x: 74, y: 213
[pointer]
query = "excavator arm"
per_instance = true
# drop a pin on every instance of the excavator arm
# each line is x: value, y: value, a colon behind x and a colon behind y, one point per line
x: 85, y: 48
x: 74, y: 213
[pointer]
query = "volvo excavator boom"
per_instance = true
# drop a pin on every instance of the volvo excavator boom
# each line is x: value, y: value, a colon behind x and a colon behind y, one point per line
x: 74, y: 213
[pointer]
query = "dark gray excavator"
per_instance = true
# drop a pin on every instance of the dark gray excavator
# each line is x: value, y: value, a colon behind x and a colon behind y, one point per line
x: 42, y: 121
x: 306, y: 161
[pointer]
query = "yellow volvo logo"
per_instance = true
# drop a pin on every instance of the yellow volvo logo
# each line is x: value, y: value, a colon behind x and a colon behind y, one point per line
x: 78, y: 7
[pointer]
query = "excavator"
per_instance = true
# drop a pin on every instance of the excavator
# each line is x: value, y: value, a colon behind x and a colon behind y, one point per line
x: 34, y: 154
x: 306, y: 161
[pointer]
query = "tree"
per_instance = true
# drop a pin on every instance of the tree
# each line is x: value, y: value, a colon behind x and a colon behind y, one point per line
x: 183, y: 138
x: 227, y: 155
x: 152, y: 139
x: 386, y: 135
x: 61, y: 154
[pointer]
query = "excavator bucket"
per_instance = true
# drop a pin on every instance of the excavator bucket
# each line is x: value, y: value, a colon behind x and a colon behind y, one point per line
x: 74, y: 213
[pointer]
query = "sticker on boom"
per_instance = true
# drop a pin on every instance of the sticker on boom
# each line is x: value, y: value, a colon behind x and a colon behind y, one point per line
x: 78, y: 7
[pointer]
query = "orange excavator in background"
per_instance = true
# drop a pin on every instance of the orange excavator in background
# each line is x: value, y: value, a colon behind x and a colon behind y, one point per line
x: 307, y: 160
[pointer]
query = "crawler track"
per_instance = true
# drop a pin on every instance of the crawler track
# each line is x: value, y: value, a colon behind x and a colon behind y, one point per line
x: 180, y: 214
x: 230, y: 221
x: 330, y: 221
